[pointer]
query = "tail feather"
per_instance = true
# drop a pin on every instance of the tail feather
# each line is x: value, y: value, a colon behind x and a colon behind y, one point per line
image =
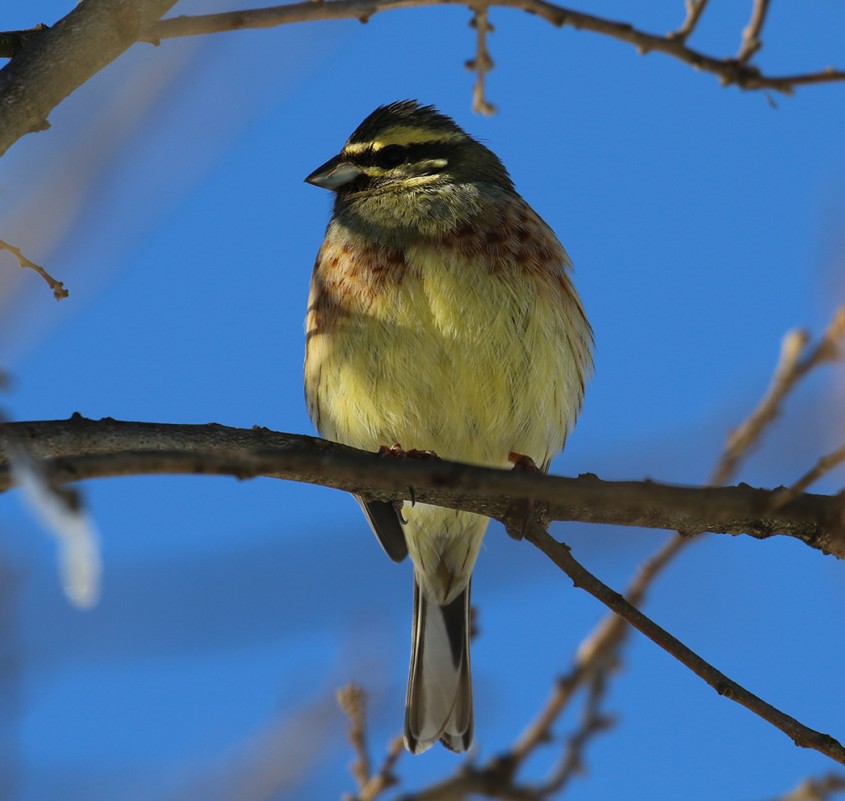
x: 439, y: 700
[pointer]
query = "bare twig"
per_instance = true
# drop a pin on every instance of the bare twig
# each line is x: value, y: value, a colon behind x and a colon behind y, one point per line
x: 795, y: 362
x: 729, y: 71
x: 751, y: 41
x: 821, y: 789
x: 482, y: 63
x: 353, y: 701
x: 58, y: 287
x: 800, y: 734
x: 384, y: 778
x: 824, y: 465
x: 694, y: 11
x: 593, y: 722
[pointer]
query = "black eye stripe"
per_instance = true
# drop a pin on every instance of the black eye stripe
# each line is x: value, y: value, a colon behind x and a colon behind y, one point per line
x: 422, y: 151
x: 391, y: 156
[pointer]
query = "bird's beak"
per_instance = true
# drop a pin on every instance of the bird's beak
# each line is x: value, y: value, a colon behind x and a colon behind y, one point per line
x: 334, y: 173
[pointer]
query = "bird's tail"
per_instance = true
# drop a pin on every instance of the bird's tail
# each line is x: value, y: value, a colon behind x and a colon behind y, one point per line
x: 439, y: 700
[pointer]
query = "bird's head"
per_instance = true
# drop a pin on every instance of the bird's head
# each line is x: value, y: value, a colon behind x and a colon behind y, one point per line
x: 408, y: 165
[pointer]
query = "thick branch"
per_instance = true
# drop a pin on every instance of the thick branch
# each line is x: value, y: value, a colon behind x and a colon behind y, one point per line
x: 12, y: 42
x: 729, y: 71
x: 61, y: 59
x: 77, y: 449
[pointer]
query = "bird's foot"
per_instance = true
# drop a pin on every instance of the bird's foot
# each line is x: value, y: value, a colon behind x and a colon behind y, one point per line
x: 525, y: 515
x: 396, y: 451
x: 522, y: 462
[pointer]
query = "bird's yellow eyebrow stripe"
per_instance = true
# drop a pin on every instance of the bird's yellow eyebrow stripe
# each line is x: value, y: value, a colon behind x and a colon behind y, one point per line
x: 403, y: 135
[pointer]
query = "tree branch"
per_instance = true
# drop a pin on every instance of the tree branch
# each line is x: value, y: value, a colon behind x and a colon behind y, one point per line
x: 800, y: 734
x: 78, y: 449
x: 62, y: 58
x: 694, y: 11
x: 481, y: 63
x: 48, y: 64
x: 797, y: 359
x: 751, y: 41
x: 729, y: 70
x: 12, y: 42
x: 58, y: 287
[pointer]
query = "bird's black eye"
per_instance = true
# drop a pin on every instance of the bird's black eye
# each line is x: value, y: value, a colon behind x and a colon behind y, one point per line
x: 391, y: 156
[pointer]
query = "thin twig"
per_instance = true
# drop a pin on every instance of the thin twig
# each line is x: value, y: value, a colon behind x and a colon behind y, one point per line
x: 795, y: 362
x: 751, y: 41
x: 824, y: 465
x: 482, y: 63
x: 58, y: 287
x: 694, y: 11
x: 593, y: 722
x: 384, y: 778
x: 353, y: 701
x: 821, y: 789
x: 800, y: 734
x: 729, y: 70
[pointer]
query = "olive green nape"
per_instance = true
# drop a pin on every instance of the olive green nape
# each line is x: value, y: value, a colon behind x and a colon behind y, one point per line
x: 403, y: 112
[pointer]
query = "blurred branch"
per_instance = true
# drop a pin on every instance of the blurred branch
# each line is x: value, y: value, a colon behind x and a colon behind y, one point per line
x: 62, y: 58
x: 385, y: 777
x: 751, y: 41
x: 729, y: 70
x: 822, y: 789
x: 795, y: 362
x: 77, y: 449
x: 593, y: 722
x: 271, y: 762
x: 58, y: 287
x: 353, y: 702
x: 694, y: 11
x: 822, y: 467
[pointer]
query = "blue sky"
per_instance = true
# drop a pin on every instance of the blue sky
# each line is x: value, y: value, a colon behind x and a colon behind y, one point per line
x: 169, y: 196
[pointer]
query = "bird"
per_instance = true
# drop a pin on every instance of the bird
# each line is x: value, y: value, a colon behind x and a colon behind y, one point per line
x: 441, y: 318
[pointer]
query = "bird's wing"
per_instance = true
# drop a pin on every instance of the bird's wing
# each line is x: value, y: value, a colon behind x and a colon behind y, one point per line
x: 387, y: 526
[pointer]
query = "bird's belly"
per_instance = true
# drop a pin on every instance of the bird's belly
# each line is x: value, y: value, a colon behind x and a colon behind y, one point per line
x: 470, y: 363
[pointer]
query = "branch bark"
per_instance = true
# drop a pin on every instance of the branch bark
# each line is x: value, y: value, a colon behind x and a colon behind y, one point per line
x: 79, y: 449
x: 729, y: 70
x: 62, y: 58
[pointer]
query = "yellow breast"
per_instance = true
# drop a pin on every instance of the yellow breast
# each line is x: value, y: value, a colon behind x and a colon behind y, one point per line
x: 474, y: 348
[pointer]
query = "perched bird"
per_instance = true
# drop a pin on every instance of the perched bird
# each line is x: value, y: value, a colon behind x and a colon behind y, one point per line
x: 441, y: 317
